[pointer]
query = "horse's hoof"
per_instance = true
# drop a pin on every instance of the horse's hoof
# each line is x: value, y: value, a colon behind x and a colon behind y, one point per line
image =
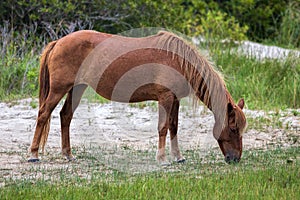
x: 71, y: 158
x: 165, y: 164
x: 33, y: 160
x: 181, y: 160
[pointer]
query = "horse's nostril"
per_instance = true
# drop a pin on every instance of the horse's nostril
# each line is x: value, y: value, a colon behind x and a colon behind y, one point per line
x: 227, y: 158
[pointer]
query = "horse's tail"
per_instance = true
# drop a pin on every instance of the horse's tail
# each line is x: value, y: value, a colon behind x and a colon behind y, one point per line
x: 44, y: 89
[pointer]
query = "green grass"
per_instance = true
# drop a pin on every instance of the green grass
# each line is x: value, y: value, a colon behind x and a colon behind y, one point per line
x: 19, y: 76
x: 271, y: 174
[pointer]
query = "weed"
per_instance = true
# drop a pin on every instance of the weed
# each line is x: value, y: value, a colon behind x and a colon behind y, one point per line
x: 295, y: 113
x: 33, y: 104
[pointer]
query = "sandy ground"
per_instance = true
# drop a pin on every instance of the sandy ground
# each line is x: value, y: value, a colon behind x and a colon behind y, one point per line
x: 114, y: 126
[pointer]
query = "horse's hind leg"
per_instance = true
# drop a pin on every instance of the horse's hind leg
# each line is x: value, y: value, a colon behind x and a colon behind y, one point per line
x: 173, y: 127
x: 44, y: 114
x: 66, y: 115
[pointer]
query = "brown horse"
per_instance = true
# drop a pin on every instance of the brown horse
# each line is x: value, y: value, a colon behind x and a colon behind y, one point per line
x: 162, y: 67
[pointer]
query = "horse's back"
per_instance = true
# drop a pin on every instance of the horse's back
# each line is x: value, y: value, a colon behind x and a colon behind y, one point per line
x: 70, y: 52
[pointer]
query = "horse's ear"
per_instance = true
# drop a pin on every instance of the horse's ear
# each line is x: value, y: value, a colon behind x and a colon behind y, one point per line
x: 241, y: 103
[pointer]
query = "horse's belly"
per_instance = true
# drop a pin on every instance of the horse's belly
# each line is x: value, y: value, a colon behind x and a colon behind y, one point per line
x: 129, y: 93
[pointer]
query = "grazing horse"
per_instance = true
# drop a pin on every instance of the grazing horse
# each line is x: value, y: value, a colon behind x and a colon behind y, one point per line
x: 162, y: 67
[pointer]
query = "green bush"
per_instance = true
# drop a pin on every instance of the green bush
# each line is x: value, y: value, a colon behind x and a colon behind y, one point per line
x: 266, y: 20
x: 289, y: 31
x: 217, y: 25
x: 263, y: 17
x: 55, y: 18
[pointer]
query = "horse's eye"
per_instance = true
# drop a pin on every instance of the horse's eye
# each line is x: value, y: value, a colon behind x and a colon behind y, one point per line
x: 234, y: 130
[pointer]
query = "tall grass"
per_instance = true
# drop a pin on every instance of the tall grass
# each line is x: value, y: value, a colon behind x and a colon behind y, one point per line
x: 19, y: 77
x: 265, y: 84
x: 19, y: 52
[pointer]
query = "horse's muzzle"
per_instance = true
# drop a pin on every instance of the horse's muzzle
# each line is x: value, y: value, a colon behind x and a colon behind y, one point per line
x: 231, y: 159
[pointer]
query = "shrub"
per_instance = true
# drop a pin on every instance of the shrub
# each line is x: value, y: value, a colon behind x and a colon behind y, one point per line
x: 261, y: 16
x: 217, y: 25
x: 289, y: 32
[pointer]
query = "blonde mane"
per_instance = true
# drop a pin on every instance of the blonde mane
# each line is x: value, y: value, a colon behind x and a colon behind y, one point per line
x: 198, y: 70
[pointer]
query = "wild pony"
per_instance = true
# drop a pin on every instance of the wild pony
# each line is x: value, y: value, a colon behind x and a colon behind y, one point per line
x: 162, y: 67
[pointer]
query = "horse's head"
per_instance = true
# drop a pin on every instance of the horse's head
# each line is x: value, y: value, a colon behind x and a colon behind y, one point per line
x: 230, y: 139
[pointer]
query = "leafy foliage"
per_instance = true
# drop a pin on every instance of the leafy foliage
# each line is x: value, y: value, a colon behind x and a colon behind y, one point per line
x: 217, y: 25
x: 263, y: 17
x: 289, y: 31
x: 257, y: 19
x: 58, y: 18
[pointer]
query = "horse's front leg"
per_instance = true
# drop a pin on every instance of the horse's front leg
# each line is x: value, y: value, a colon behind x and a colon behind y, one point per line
x: 166, y: 104
x: 173, y: 127
x: 163, y: 124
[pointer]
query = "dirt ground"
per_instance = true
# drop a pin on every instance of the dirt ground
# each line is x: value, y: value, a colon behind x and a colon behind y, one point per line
x: 114, y: 126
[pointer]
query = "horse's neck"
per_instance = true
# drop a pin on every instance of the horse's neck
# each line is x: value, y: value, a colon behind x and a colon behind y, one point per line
x: 221, y: 114
x: 219, y: 110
